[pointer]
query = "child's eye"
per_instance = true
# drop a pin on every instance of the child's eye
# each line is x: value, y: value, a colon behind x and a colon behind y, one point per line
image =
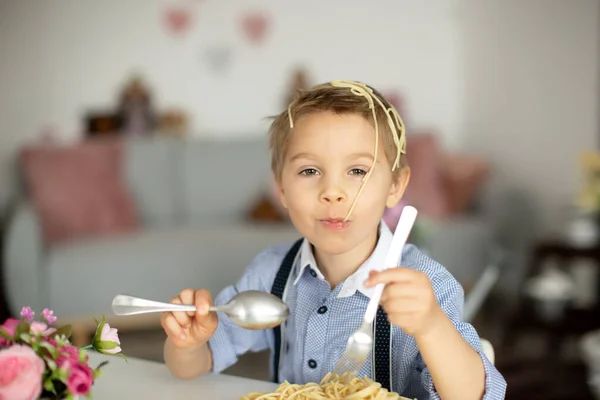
x: 309, y: 171
x: 358, y: 171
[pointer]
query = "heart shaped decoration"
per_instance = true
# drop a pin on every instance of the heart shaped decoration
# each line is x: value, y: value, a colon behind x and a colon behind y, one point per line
x: 177, y: 19
x: 218, y: 58
x: 255, y: 26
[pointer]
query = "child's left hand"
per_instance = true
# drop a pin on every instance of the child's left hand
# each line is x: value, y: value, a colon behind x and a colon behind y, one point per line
x: 408, y: 299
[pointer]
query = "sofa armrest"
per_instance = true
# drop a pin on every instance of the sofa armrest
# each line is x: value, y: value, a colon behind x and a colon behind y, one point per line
x: 462, y: 245
x: 24, y: 276
x: 465, y: 245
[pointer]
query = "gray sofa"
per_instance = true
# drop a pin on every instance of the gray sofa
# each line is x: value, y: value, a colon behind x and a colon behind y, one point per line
x: 193, y: 197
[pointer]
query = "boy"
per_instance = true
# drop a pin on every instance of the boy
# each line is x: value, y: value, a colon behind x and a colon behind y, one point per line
x: 338, y: 160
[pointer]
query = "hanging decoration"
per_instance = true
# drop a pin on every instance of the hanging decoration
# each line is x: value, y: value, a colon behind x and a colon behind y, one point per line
x: 218, y: 58
x: 255, y: 26
x: 178, y: 17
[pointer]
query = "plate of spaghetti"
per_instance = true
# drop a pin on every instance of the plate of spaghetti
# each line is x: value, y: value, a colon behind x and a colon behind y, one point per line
x: 332, y: 387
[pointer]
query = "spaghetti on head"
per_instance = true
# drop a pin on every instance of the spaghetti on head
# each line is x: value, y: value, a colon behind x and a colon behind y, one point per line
x: 332, y: 387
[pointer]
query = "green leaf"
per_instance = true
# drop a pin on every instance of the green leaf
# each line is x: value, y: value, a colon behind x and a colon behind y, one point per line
x: 82, y: 355
x: 62, y: 374
x: 55, y: 374
x: 66, y: 330
x: 50, y: 348
x: 5, y: 335
x: 23, y: 327
x: 51, y: 364
x: 49, y: 386
x: 26, y: 337
x: 99, y: 330
x: 102, y: 364
x: 62, y: 341
x: 106, y: 345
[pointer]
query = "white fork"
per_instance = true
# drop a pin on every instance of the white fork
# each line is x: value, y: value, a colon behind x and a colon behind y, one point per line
x: 360, y: 342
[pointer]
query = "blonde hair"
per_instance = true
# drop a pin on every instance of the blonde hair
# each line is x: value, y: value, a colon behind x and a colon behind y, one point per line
x: 342, y: 97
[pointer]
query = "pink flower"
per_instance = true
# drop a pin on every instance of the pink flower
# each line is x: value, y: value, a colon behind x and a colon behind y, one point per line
x: 20, y: 373
x: 48, y: 316
x: 68, y: 356
x: 48, y: 331
x: 27, y: 313
x: 9, y: 326
x: 37, y: 328
x: 70, y: 351
x: 108, y: 338
x: 80, y: 379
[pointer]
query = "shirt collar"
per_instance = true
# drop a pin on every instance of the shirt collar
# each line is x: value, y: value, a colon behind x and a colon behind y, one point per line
x: 307, y: 260
x: 355, y: 281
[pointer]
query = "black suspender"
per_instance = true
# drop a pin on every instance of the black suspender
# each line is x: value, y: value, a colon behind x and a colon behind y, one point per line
x: 382, y: 347
x: 277, y: 290
x: 382, y: 330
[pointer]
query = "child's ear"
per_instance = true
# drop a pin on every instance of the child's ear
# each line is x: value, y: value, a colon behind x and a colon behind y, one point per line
x: 398, y: 187
x: 280, y: 192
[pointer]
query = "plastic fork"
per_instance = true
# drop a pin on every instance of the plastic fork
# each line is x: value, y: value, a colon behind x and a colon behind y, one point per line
x: 360, y: 342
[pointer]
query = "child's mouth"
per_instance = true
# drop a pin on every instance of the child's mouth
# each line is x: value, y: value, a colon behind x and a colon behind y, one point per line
x: 334, y: 224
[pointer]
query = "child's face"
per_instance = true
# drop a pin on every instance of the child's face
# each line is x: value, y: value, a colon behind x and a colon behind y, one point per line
x: 327, y: 158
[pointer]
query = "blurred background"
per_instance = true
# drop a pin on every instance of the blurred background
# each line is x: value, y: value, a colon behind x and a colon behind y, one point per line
x: 134, y: 158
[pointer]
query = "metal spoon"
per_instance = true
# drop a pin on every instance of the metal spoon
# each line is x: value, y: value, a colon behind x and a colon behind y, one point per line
x: 251, y: 309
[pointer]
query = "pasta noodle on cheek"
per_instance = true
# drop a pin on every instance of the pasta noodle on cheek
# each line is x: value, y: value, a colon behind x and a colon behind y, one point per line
x: 331, y: 388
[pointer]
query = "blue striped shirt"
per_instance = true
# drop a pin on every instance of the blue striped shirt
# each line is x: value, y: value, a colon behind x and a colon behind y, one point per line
x: 322, y: 319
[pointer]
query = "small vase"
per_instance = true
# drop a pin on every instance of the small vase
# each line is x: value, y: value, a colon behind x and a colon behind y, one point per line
x: 582, y: 230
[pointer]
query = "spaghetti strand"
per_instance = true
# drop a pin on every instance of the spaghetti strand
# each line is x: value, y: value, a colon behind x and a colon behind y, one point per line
x: 332, y: 387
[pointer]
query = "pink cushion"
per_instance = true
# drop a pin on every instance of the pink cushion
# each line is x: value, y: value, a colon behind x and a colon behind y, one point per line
x: 78, y: 191
x: 425, y: 190
x: 464, y: 175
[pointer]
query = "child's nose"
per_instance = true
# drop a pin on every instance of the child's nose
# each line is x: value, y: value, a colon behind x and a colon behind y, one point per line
x: 333, y: 194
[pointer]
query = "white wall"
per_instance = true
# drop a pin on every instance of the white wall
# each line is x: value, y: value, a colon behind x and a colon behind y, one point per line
x: 531, y: 94
x: 516, y: 80
x: 62, y: 58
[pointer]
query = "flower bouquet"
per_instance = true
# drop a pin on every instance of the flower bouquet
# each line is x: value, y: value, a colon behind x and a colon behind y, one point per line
x: 37, y: 360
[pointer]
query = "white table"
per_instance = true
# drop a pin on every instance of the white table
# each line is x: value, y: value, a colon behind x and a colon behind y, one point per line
x: 142, y: 379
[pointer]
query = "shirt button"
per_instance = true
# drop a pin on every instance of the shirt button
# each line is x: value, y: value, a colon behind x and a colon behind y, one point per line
x: 313, y: 273
x: 322, y: 310
x: 312, y: 363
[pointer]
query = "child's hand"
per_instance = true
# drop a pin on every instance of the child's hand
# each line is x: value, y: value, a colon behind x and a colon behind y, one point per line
x: 408, y: 299
x: 190, y: 329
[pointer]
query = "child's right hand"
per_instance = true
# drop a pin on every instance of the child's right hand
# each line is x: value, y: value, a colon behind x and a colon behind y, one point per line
x: 188, y: 330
